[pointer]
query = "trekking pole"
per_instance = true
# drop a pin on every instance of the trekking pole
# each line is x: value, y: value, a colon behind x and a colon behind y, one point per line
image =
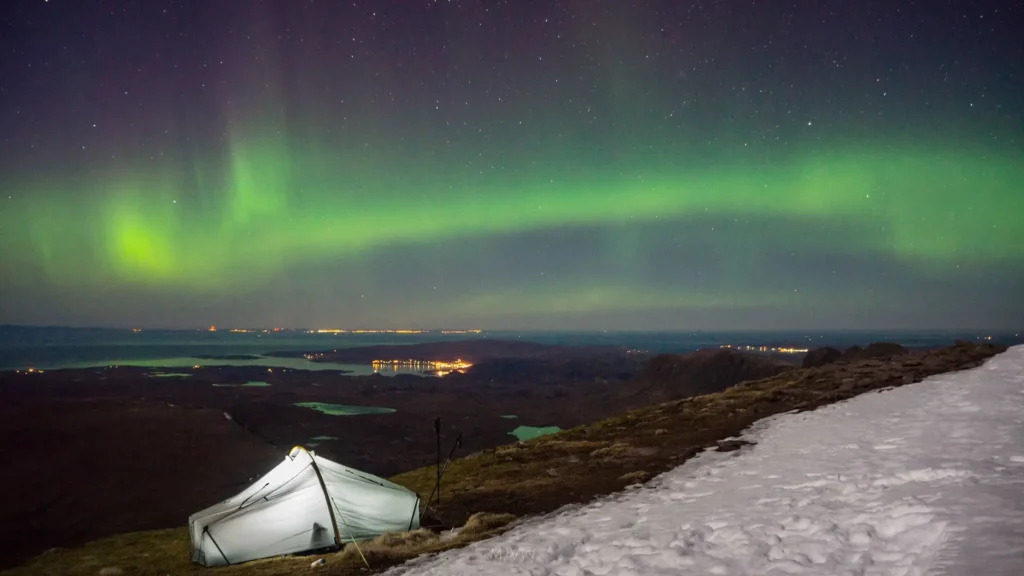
x: 437, y: 432
x: 440, y: 473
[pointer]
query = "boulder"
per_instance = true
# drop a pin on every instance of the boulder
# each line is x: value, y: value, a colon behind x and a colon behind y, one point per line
x: 669, y: 377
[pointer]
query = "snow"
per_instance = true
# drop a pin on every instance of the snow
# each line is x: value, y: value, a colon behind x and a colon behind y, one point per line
x: 923, y: 479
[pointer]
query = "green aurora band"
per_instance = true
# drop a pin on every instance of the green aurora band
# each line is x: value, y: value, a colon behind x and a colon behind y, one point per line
x: 275, y: 206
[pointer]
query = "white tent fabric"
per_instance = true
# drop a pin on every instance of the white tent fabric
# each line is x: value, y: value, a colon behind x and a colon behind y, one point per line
x: 305, y: 503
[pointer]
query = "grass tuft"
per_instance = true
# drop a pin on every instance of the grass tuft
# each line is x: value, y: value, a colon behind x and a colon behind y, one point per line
x: 485, y: 523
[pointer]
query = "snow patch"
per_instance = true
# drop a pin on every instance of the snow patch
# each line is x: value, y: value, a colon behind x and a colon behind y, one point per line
x: 904, y: 482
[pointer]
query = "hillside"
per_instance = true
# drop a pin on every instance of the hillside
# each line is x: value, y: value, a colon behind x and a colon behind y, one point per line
x: 158, y: 419
x: 860, y: 487
x: 107, y: 465
x: 542, y: 475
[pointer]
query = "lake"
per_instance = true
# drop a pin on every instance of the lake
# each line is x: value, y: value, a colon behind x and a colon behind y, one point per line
x: 344, y: 409
x: 524, y: 433
x: 260, y: 361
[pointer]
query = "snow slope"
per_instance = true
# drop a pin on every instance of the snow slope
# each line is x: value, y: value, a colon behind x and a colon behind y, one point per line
x: 923, y: 479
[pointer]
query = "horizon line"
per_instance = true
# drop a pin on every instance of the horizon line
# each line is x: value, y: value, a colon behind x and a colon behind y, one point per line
x: 480, y: 331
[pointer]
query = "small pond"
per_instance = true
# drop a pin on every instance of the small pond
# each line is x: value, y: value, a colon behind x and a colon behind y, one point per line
x: 317, y: 440
x: 344, y: 409
x: 524, y: 433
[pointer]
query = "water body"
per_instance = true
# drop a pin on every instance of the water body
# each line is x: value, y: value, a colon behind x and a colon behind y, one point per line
x: 344, y: 409
x: 54, y: 348
x: 246, y: 385
x: 317, y: 440
x: 524, y: 433
x: 259, y: 361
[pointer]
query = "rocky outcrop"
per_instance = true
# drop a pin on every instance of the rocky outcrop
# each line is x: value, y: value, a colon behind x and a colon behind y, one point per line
x: 821, y: 357
x: 874, y: 350
x: 828, y: 355
x: 674, y: 376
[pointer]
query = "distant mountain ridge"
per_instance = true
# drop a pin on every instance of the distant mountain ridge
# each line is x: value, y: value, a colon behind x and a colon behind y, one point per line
x: 472, y: 351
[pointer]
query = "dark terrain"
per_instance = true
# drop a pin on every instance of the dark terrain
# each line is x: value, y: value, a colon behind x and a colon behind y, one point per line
x: 106, y: 451
x: 469, y: 350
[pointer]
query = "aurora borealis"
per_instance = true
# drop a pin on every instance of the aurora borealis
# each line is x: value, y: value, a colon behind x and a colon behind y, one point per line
x: 552, y: 165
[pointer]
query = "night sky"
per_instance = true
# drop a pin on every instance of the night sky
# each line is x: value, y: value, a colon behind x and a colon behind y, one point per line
x: 582, y: 164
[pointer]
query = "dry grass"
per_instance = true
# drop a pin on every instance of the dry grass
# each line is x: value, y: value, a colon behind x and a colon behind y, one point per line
x: 636, y: 477
x: 392, y: 549
x: 484, y: 523
x: 162, y: 552
x: 151, y: 553
x: 483, y: 493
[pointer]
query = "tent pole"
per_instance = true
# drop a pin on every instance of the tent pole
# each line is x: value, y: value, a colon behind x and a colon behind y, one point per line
x: 415, y: 509
x: 327, y: 498
x: 206, y: 530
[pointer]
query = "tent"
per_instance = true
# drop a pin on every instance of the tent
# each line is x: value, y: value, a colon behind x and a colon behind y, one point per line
x: 305, y: 503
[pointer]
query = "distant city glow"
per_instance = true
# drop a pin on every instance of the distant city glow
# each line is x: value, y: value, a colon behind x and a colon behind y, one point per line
x: 440, y: 368
x: 772, y: 349
x: 402, y: 331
